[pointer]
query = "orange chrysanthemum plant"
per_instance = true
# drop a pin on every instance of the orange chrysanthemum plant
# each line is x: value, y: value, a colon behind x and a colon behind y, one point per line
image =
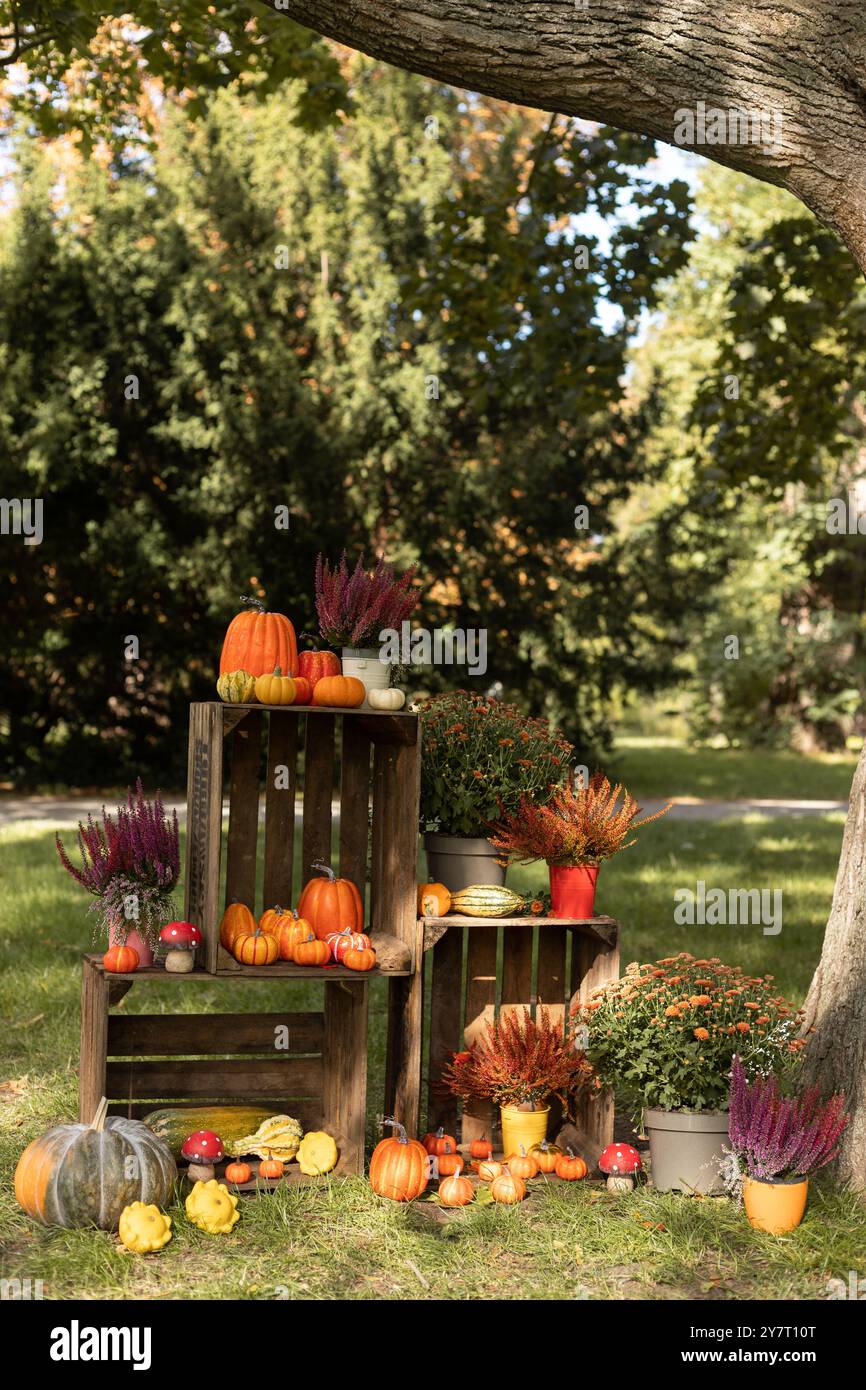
x: 665, y: 1034
x: 520, y: 1061
x: 578, y: 825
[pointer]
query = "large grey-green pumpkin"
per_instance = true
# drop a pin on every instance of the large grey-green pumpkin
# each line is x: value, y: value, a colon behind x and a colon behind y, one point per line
x: 84, y: 1175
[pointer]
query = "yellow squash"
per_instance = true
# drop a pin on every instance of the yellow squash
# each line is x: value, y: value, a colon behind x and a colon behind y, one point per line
x: 236, y: 687
x: 317, y: 1153
x: 276, y: 1137
x: 212, y: 1208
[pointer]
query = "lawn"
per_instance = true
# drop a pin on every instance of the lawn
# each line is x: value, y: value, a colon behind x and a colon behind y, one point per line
x: 669, y: 767
x: 337, y: 1240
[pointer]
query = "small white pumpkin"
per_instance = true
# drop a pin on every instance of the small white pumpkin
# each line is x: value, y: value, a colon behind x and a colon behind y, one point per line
x: 389, y: 699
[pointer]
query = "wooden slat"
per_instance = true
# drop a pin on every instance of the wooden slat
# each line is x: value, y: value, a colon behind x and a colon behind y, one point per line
x: 280, y: 970
x: 244, y: 813
x: 355, y: 804
x: 403, y: 1058
x: 318, y: 789
x: 280, y: 808
x: 390, y: 728
x: 593, y: 964
x: 516, y: 971
x: 345, y: 1071
x: 445, y: 1009
x: 204, y: 824
x: 210, y: 1080
x: 601, y: 928
x: 550, y: 982
x: 94, y: 1041
x: 169, y: 1035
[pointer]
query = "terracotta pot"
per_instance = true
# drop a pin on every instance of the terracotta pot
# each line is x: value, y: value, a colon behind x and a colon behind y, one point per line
x: 572, y: 889
x: 686, y: 1149
x: 117, y: 937
x: 522, y: 1127
x: 776, y: 1207
x: 458, y: 861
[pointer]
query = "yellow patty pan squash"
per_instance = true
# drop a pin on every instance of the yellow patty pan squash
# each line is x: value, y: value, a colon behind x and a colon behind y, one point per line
x: 236, y: 687
x: 144, y: 1228
x: 212, y: 1208
x: 317, y: 1153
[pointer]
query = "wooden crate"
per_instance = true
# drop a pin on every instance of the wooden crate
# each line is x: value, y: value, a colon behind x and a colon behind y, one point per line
x: 483, y: 967
x: 309, y: 1065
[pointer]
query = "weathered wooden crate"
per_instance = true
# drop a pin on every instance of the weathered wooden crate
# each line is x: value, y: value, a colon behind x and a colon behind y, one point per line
x: 480, y: 968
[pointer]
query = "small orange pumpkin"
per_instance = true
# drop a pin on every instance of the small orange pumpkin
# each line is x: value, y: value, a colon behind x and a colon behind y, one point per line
x: 522, y: 1165
x: 312, y: 951
x: 273, y: 918
x: 347, y: 940
x: 456, y: 1191
x: 481, y: 1148
x: 255, y: 948
x: 121, y: 960
x: 237, y: 918
x: 341, y: 692
x: 508, y: 1188
x: 271, y: 1168
x: 545, y: 1155
x: 449, y: 1163
x: 434, y: 900
x: 571, y: 1167
x: 362, y: 959
x: 238, y: 1172
x: 438, y: 1142
x: 489, y: 1170
x: 291, y: 930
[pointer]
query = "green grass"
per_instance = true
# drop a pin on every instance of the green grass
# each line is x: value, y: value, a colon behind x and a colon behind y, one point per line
x: 667, y: 767
x: 336, y: 1239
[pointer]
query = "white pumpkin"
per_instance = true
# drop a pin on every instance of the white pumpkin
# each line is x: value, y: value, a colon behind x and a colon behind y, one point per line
x: 389, y: 699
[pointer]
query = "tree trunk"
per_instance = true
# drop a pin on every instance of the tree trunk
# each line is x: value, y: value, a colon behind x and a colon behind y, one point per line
x: 639, y: 64
x: 836, y: 1006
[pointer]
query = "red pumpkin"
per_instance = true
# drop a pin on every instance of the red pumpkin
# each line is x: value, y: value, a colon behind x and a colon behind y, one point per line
x: 456, y: 1191
x: 311, y: 952
x: 303, y: 691
x: 238, y: 1172
x: 347, y: 940
x: 121, y: 960
x: 314, y: 665
x: 571, y: 1167
x: 481, y: 1148
x: 257, y: 641
x: 399, y: 1167
x: 330, y: 904
x: 438, y: 1142
x: 340, y: 692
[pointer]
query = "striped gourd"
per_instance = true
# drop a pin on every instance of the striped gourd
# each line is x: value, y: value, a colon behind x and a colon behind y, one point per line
x: 175, y: 1124
x: 486, y: 900
x: 279, y: 1136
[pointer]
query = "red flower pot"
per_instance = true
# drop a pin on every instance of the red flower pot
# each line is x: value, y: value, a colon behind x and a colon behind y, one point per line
x: 572, y: 890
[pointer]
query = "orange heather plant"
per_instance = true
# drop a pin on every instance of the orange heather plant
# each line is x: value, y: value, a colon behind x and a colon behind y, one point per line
x: 665, y: 1034
x: 578, y: 825
x: 518, y: 1061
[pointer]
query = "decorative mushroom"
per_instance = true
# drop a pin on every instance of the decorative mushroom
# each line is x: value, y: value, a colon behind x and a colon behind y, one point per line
x: 201, y: 1151
x: 620, y: 1162
x: 181, y: 939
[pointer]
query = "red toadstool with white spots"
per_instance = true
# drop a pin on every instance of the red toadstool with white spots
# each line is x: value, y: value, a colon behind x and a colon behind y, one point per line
x: 620, y: 1162
x: 181, y: 939
x: 201, y: 1151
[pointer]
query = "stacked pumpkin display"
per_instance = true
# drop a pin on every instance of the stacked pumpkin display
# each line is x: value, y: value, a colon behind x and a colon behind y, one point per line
x: 326, y: 928
x: 260, y: 662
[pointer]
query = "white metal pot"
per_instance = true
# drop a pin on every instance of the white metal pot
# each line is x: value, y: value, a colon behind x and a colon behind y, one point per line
x: 364, y: 664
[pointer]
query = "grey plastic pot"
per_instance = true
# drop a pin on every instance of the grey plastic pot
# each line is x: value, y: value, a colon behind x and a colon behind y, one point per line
x: 458, y: 861
x: 686, y: 1149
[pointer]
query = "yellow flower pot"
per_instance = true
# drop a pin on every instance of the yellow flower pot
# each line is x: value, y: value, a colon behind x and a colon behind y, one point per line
x: 522, y: 1127
x: 776, y: 1207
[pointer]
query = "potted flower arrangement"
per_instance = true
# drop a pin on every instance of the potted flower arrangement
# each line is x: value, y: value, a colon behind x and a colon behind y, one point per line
x: 130, y: 863
x: 482, y: 757
x: 574, y: 832
x: 777, y: 1143
x: 518, y: 1064
x: 665, y: 1035
x: 353, y: 609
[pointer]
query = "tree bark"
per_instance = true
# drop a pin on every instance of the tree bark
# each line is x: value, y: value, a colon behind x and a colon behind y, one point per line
x: 636, y: 63
x: 836, y: 1004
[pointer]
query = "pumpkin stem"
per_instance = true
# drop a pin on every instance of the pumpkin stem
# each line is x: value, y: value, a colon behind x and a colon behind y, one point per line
x: 324, y: 869
x: 253, y: 602
x: 98, y: 1121
x: 402, y: 1136
x: 277, y: 671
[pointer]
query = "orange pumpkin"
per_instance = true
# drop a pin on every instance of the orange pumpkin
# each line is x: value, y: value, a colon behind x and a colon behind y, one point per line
x: 257, y: 641
x: 438, y: 1142
x: 273, y: 918
x: 341, y: 692
x: 545, y: 1155
x: 237, y: 918
x: 522, y: 1165
x: 255, y: 948
x: 121, y: 960
x: 481, y: 1148
x: 434, y: 900
x: 571, y: 1167
x: 508, y: 1188
x: 238, y: 1172
x: 456, y: 1191
x: 329, y: 904
x: 489, y: 1170
x: 311, y: 952
x: 399, y: 1167
x: 271, y: 1168
x: 363, y: 959
x: 287, y: 928
x: 449, y: 1163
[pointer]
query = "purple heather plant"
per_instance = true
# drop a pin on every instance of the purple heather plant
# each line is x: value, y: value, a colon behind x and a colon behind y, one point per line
x: 354, y: 609
x: 777, y: 1137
